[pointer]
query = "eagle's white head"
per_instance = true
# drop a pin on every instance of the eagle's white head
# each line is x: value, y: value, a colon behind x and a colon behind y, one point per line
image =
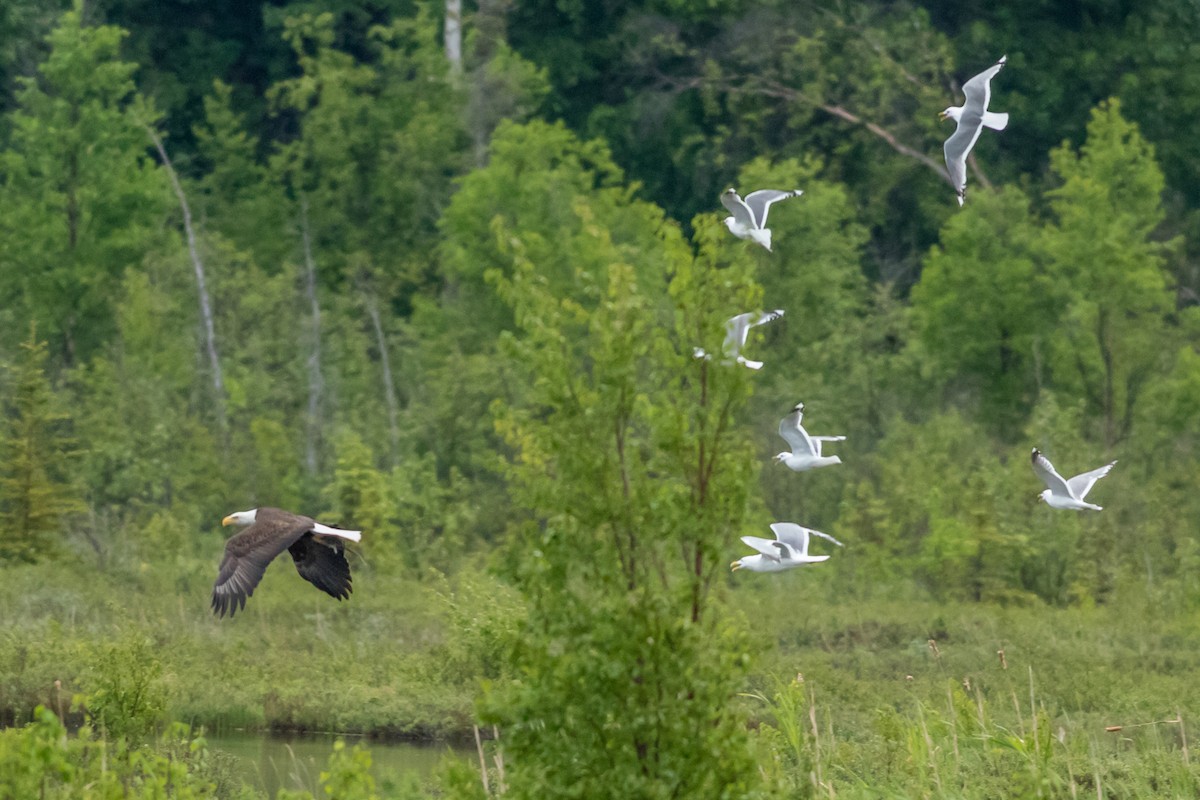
x: 241, y: 517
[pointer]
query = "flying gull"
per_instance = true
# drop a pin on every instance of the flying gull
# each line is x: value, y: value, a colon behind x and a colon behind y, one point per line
x: 806, y: 449
x: 1066, y: 493
x: 972, y: 116
x: 317, y: 549
x: 736, y: 330
x: 788, y: 549
x: 748, y: 218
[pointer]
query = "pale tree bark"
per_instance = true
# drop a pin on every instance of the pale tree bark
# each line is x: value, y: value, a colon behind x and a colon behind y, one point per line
x: 389, y: 388
x: 206, y: 314
x: 452, y: 35
x: 844, y: 114
x: 316, y: 380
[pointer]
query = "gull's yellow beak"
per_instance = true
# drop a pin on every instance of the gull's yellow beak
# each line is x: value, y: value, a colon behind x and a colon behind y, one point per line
x: 228, y: 521
x: 736, y: 565
x: 943, y: 116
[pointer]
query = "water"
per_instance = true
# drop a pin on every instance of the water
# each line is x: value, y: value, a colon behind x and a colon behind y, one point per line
x: 270, y: 763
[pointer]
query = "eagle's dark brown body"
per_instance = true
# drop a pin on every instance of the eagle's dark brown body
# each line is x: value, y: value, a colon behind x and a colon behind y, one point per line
x: 317, y: 550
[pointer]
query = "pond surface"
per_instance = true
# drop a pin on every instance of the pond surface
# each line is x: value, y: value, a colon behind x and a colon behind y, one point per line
x: 270, y: 763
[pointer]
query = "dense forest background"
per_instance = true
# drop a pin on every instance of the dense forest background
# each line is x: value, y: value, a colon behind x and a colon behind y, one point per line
x: 436, y: 271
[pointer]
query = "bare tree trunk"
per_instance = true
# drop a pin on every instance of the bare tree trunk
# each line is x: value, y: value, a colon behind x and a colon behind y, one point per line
x: 389, y: 389
x: 210, y: 337
x: 453, y: 35
x: 316, y: 382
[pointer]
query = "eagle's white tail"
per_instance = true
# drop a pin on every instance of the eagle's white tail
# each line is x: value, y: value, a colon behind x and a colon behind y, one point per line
x: 354, y: 536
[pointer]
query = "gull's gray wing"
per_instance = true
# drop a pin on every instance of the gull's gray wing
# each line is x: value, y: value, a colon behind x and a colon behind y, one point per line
x: 767, y: 316
x: 956, y: 149
x: 798, y: 536
x: 1045, y: 470
x: 978, y: 90
x: 764, y: 546
x: 760, y: 203
x: 1080, y: 485
x: 825, y: 536
x: 738, y: 208
x: 795, y: 435
x: 793, y: 535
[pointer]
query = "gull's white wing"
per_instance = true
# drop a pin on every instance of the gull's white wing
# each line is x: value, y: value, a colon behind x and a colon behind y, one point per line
x: 956, y: 149
x: 764, y: 546
x: 795, y: 435
x: 1080, y: 485
x: 760, y: 203
x: 978, y: 90
x: 1045, y: 470
x: 738, y: 208
x: 736, y: 328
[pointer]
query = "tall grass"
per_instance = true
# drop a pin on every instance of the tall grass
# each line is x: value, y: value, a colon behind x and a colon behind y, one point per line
x: 861, y: 696
x: 875, y: 698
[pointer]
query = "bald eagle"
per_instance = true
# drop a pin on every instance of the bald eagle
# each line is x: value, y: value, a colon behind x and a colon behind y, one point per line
x: 317, y: 549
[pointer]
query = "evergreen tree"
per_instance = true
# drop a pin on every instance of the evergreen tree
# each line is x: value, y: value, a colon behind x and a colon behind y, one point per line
x: 37, y: 490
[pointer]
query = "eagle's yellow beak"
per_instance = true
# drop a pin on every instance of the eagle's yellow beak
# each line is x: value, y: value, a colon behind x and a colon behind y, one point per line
x: 228, y: 521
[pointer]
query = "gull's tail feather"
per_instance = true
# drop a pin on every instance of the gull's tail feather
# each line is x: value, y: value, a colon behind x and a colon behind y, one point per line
x: 997, y: 121
x: 748, y: 363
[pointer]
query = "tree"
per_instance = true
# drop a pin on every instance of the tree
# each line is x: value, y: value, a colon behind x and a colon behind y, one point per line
x: 1110, y: 339
x: 83, y: 200
x: 986, y: 307
x: 37, y: 486
x: 635, y: 481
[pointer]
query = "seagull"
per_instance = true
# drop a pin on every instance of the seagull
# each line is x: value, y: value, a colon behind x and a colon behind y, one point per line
x: 806, y: 449
x: 788, y: 549
x: 972, y: 116
x: 748, y: 218
x: 736, y: 330
x: 1066, y: 493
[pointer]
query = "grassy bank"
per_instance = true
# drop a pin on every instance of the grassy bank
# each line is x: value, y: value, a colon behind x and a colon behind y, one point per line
x: 887, y: 695
x: 391, y: 661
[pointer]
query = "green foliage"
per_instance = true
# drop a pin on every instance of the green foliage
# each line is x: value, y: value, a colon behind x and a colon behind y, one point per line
x: 83, y: 201
x: 43, y: 760
x: 127, y: 698
x: 986, y: 307
x: 634, y: 478
x: 37, y: 451
x: 1110, y: 341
